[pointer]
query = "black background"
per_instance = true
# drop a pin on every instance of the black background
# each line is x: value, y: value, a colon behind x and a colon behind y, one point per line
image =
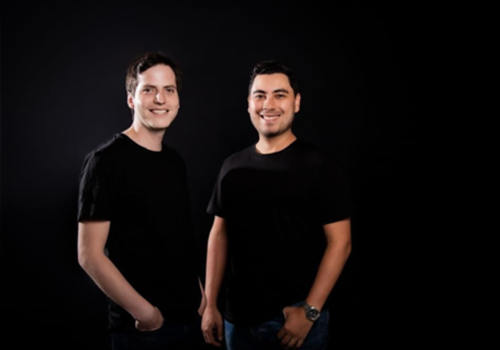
x: 63, y: 68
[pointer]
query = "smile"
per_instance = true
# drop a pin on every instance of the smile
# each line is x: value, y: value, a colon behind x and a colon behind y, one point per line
x: 159, y: 111
x: 270, y: 117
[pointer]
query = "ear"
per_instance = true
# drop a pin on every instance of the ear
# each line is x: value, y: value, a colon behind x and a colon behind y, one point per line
x: 297, y: 103
x: 130, y: 100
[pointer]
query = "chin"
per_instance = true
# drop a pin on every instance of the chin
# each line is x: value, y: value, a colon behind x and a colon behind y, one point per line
x: 158, y: 127
x: 270, y: 135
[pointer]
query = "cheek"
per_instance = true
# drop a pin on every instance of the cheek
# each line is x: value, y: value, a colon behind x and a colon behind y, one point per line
x: 140, y: 101
x: 177, y: 101
x: 253, y: 107
x: 290, y: 108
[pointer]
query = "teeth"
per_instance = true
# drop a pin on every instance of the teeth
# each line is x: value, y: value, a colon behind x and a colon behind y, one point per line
x: 269, y: 118
x: 159, y: 111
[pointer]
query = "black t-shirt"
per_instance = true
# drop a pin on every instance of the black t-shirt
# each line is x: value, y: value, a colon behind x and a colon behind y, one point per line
x: 275, y: 206
x: 144, y: 195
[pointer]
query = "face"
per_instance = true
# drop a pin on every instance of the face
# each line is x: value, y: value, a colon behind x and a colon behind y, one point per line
x: 156, y: 100
x: 272, y: 104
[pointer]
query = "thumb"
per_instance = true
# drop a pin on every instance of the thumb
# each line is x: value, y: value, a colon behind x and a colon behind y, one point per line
x: 285, y: 311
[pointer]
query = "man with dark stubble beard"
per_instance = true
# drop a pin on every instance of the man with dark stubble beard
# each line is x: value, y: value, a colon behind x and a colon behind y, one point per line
x: 281, y: 226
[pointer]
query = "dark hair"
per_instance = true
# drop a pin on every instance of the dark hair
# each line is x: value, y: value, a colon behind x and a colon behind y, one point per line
x: 146, y: 61
x: 272, y: 67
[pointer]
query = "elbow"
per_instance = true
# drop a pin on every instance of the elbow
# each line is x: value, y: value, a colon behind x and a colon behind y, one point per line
x: 85, y: 259
x: 348, y: 249
x: 343, y: 248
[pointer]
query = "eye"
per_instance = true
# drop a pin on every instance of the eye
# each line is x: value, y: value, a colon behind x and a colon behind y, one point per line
x: 280, y: 96
x: 170, y: 90
x: 258, y: 96
x: 147, y: 90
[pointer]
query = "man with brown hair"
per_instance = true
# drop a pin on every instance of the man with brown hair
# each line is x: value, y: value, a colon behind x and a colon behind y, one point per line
x: 134, y: 202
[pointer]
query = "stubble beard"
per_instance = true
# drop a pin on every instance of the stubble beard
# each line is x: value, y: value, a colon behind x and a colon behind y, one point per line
x: 280, y: 131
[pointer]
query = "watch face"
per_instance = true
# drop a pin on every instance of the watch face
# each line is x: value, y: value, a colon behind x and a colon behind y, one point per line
x: 312, y: 314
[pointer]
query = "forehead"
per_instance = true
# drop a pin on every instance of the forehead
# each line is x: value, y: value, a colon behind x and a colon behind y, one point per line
x: 159, y: 74
x: 271, y: 82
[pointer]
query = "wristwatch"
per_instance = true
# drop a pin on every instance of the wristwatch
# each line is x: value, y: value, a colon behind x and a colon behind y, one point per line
x: 312, y: 314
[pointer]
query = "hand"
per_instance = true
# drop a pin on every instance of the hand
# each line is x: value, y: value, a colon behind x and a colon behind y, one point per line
x: 296, y: 327
x: 151, y: 322
x: 211, y: 326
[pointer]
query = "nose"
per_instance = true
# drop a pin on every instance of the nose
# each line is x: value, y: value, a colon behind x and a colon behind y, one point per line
x: 268, y: 103
x: 160, y: 97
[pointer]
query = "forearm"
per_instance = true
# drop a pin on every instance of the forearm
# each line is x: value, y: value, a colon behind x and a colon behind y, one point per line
x: 333, y: 261
x: 216, y: 263
x: 110, y: 280
x: 329, y: 271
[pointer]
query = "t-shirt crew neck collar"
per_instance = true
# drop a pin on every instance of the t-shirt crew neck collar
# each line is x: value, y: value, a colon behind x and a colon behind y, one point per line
x: 269, y: 155
x: 137, y: 146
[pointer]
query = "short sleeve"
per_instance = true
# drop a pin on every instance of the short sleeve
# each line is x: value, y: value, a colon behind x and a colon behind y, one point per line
x: 216, y: 205
x: 96, y: 198
x: 334, y: 198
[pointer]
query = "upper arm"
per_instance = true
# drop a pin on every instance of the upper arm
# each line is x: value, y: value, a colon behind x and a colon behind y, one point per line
x: 219, y: 228
x: 216, y: 204
x: 92, y: 237
x: 98, y: 189
x: 333, y: 195
x: 338, y: 232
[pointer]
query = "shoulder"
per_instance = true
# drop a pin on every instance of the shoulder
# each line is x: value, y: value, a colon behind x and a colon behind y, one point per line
x: 241, y: 156
x: 172, y: 154
x: 235, y: 161
x: 106, y: 152
x: 315, y: 155
x: 238, y: 158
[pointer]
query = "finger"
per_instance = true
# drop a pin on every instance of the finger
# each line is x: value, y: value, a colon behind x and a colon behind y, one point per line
x: 212, y: 337
x: 285, y: 340
x: 299, y: 343
x: 209, y: 339
x: 291, y: 344
x: 220, y: 332
x: 145, y: 330
x: 281, y: 333
x: 206, y: 338
x: 140, y: 327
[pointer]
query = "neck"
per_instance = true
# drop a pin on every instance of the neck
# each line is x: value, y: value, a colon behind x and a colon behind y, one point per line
x: 275, y: 144
x: 149, y: 139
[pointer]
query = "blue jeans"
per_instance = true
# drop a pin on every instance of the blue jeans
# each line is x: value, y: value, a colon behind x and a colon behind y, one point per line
x: 185, y: 337
x: 264, y: 336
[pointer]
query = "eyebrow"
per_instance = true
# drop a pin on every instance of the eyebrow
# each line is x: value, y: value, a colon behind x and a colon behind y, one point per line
x: 275, y: 91
x: 153, y: 86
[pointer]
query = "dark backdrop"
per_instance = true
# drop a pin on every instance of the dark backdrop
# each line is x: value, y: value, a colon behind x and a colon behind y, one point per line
x: 62, y: 94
